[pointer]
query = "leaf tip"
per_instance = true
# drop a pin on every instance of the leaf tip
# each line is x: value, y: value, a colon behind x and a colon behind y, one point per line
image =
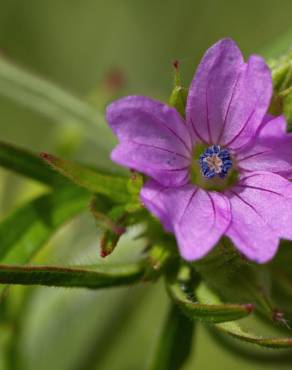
x: 277, y: 315
x: 104, y: 253
x: 46, y: 156
x: 249, y: 307
x: 175, y: 64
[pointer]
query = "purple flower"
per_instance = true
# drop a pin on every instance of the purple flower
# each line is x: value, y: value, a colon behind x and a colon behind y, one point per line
x: 225, y: 169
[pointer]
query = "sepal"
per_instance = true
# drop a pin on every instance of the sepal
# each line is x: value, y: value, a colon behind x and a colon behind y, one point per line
x: 178, y: 97
x: 281, y: 69
x: 235, y: 279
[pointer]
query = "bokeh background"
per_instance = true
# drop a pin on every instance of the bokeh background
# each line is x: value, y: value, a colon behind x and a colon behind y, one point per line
x: 85, y: 46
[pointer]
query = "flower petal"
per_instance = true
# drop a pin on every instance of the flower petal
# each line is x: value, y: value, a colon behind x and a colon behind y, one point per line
x: 153, y: 139
x: 261, y: 207
x: 228, y: 98
x: 271, y: 151
x: 197, y: 217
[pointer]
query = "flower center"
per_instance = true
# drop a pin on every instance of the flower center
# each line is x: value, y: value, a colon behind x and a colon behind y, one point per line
x: 215, y: 162
x: 213, y: 168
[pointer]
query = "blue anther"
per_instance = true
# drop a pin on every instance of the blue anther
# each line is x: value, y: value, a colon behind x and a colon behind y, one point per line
x: 215, y: 162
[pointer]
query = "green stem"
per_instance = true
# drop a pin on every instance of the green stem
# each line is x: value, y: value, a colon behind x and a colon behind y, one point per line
x: 93, y: 278
x: 175, y: 343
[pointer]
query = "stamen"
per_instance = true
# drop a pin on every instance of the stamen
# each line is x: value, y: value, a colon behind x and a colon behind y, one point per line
x: 215, y: 162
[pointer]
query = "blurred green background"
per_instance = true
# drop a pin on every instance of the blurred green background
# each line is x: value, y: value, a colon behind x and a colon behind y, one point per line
x: 76, y: 44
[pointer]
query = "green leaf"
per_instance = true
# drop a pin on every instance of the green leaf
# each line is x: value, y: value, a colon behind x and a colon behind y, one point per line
x: 175, y: 344
x: 247, y: 352
x: 214, y: 313
x: 95, y: 277
x: 281, y: 279
x: 236, y: 280
x: 281, y: 69
x: 104, y: 339
x: 235, y: 330
x: 28, y: 164
x: 26, y: 230
x: 114, y: 187
x: 109, y: 242
x: 61, y: 172
x: 159, y: 256
x: 113, y: 223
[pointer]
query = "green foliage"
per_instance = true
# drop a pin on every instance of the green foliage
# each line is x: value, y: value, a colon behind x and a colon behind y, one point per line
x: 281, y: 279
x: 28, y: 164
x: 26, y: 230
x: 281, y: 73
x: 235, y: 279
x: 282, y: 82
x: 222, y: 288
x: 81, y: 277
x: 29, y: 227
x: 214, y: 313
x: 115, y: 187
x: 115, y: 227
x: 175, y: 345
x: 178, y: 97
x: 236, y: 331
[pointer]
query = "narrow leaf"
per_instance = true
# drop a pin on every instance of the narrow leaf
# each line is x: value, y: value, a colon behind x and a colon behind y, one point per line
x: 246, y: 351
x: 234, y: 279
x: 96, y: 277
x: 25, y: 231
x: 235, y: 330
x: 207, y: 312
x: 28, y: 164
x: 113, y: 233
x: 115, y: 187
x: 175, y: 344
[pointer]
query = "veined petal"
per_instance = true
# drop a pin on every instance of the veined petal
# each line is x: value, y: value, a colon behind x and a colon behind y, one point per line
x: 261, y: 207
x: 198, y: 218
x: 153, y: 139
x: 228, y: 98
x: 166, y: 166
x: 271, y: 150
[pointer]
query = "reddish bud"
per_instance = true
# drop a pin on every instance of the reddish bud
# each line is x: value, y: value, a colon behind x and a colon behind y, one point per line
x: 115, y: 79
x: 278, y: 315
x: 249, y: 307
x: 45, y: 156
x: 103, y: 253
x: 175, y: 64
x: 133, y: 175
